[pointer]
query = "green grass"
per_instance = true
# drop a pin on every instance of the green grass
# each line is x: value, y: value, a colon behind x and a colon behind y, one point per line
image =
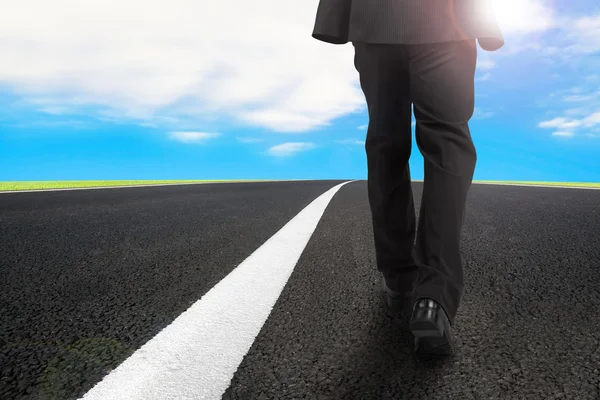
x: 534, y: 183
x: 40, y: 185
x: 573, y: 184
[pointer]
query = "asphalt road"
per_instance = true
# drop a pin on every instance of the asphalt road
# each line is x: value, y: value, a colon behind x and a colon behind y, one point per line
x: 87, y: 277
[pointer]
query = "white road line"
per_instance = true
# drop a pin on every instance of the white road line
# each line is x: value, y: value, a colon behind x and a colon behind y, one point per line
x: 196, y: 356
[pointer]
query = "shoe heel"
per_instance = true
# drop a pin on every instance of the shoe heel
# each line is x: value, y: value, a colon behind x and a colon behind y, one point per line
x: 435, y: 338
x: 425, y: 324
x: 425, y: 329
x: 431, y: 329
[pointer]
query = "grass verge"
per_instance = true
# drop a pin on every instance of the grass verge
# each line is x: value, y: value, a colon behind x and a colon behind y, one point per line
x: 41, y: 185
x: 570, y: 184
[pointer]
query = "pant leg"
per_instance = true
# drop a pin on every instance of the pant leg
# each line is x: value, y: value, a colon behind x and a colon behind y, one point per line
x: 442, y: 89
x: 384, y: 81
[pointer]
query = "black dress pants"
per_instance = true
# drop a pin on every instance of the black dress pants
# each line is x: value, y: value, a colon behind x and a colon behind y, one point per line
x: 438, y: 81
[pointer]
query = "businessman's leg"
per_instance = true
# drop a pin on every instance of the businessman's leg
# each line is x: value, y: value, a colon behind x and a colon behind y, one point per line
x: 384, y: 81
x: 442, y: 89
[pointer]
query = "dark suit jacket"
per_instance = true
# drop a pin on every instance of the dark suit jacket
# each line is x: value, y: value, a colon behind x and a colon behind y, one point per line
x: 407, y: 22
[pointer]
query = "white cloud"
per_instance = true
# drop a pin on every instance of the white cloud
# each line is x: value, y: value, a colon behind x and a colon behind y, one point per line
x: 592, y: 120
x: 563, y: 133
x: 576, y: 37
x: 581, y: 102
x: 362, y: 127
x: 585, y: 34
x: 582, y: 112
x: 290, y: 149
x: 588, y: 121
x: 524, y: 22
x: 562, y: 123
x: 192, y: 61
x: 576, y: 90
x: 478, y: 113
x: 567, y: 125
x: 193, y: 137
x: 485, y: 63
x: 139, y: 59
x: 54, y: 110
x: 579, y: 98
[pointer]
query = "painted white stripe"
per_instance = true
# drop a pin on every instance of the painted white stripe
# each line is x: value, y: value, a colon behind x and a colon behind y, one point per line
x: 134, y: 186
x: 196, y: 356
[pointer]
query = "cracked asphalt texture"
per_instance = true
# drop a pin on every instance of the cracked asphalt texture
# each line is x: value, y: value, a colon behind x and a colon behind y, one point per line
x: 87, y: 277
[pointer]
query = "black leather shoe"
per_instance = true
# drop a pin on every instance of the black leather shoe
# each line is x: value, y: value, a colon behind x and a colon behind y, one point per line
x: 397, y: 302
x: 431, y: 328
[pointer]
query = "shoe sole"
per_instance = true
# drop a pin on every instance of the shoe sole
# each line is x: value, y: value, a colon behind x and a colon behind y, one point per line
x: 433, y: 339
x: 430, y: 349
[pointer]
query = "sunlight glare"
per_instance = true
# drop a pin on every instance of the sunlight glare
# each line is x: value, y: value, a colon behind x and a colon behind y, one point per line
x: 522, y: 16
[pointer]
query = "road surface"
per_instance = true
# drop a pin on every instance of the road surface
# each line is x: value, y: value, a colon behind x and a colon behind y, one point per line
x: 88, y: 278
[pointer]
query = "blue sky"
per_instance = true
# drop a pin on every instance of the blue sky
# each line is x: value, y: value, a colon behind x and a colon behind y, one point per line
x: 160, y: 95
